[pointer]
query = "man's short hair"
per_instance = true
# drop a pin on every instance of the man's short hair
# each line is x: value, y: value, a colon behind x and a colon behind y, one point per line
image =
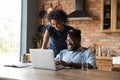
x: 74, y: 33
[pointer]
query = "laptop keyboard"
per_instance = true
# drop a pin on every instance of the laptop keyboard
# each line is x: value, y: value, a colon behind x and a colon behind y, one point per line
x: 62, y: 67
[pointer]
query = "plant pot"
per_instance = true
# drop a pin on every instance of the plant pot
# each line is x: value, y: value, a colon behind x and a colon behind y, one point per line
x: 38, y: 45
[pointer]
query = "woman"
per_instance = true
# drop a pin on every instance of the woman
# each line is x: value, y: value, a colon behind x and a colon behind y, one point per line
x: 56, y: 32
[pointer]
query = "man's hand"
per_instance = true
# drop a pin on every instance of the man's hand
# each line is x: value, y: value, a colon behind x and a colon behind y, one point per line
x: 63, y: 63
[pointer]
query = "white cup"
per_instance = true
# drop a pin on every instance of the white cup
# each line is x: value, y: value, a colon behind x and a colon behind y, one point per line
x: 84, y: 66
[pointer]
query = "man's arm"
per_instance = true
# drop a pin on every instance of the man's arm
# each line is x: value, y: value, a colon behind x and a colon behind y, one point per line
x: 91, y: 59
x: 78, y: 65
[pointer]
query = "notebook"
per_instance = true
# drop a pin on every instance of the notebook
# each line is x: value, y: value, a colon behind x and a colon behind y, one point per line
x: 18, y: 65
x: 44, y: 59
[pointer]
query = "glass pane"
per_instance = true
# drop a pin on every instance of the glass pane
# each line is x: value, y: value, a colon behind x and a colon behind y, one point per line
x: 118, y: 15
x: 10, y: 29
x: 107, y: 14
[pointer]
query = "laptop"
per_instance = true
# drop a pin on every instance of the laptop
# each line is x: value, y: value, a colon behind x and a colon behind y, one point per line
x: 44, y: 59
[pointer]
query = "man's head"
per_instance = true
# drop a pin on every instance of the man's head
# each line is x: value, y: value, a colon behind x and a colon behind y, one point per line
x: 73, y: 39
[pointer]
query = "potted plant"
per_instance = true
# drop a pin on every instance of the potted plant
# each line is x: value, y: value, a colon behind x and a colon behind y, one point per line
x: 38, y: 39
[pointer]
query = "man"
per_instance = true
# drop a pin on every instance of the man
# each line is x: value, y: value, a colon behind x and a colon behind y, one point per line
x: 74, y: 55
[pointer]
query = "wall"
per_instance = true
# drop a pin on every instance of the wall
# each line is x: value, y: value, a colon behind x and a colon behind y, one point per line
x: 32, y: 18
x: 90, y: 28
x: 29, y: 26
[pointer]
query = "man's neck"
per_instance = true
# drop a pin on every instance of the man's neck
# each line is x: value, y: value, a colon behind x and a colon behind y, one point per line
x: 76, y: 48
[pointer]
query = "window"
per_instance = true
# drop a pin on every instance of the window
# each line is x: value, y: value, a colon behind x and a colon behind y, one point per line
x: 10, y: 30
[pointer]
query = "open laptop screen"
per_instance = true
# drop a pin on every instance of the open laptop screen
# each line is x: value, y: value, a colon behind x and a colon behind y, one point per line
x: 43, y: 58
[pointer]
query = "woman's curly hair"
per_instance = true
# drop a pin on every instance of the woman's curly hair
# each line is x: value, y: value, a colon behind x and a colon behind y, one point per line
x: 57, y: 15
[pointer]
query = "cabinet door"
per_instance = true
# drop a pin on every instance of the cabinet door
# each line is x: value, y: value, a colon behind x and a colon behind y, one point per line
x: 116, y: 9
x: 106, y: 16
x: 110, y: 16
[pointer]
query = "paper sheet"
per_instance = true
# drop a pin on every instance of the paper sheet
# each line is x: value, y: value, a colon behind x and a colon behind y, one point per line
x: 116, y: 60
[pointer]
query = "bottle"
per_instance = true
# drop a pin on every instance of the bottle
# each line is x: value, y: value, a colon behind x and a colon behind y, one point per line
x: 110, y: 51
x: 108, y: 2
x: 99, y: 50
x: 107, y: 13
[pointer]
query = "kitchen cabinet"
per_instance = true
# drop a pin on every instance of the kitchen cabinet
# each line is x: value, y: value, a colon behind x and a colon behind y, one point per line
x: 110, y: 16
x: 104, y: 63
x: 118, y: 17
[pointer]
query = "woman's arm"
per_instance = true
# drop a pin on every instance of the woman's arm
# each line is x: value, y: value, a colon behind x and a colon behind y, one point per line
x: 45, y: 40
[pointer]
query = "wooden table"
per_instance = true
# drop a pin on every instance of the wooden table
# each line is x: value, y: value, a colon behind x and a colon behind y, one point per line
x: 64, y: 74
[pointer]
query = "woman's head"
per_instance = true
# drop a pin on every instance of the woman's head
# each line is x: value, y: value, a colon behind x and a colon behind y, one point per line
x: 57, y: 19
